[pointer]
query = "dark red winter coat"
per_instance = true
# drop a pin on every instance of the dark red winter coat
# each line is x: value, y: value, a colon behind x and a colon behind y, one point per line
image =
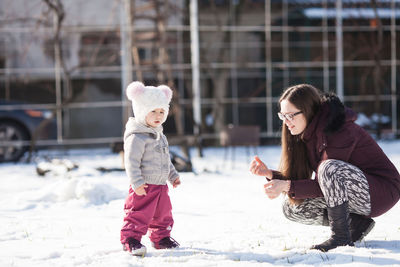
x: 330, y: 137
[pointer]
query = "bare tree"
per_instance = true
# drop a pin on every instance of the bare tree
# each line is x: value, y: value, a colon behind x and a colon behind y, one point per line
x: 219, y: 77
x: 55, y: 15
x: 56, y: 10
x: 158, y: 12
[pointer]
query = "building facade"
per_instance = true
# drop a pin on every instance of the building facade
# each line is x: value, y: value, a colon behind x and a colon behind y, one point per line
x: 76, y: 58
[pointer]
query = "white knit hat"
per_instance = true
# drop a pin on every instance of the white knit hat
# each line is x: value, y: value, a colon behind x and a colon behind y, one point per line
x: 148, y: 98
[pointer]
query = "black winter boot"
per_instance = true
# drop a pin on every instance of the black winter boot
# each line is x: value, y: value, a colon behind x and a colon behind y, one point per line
x: 360, y: 226
x: 339, y: 222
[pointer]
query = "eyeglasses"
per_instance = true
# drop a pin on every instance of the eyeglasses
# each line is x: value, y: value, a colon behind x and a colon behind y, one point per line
x: 289, y: 116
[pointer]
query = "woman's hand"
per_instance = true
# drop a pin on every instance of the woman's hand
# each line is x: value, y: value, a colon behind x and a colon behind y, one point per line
x: 141, y: 190
x: 258, y: 167
x: 275, y: 187
x: 176, y: 183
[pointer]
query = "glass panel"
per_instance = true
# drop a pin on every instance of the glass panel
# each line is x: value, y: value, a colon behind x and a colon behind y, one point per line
x: 251, y: 84
x: 99, y: 49
x: 214, y: 12
x: 169, y: 126
x: 276, y: 10
x: 3, y: 53
x: 352, y: 50
x: 305, y: 46
x: 30, y: 50
x: 94, y: 89
x: 185, y: 84
x: 251, y: 13
x: 35, y: 91
x: 186, y: 52
x: 174, y: 48
x: 398, y: 116
x: 213, y: 47
x: 188, y: 119
x: 253, y: 114
x: 398, y: 82
x: 362, y: 81
x: 313, y: 76
x: 102, y: 13
x: 332, y: 46
x: 332, y: 80
x: 248, y: 47
x: 278, y: 83
x: 276, y: 47
x: 85, y: 122
x: 215, y: 86
x: 398, y: 44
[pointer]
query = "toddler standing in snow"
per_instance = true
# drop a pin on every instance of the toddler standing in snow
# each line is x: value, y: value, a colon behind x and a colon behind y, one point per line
x: 148, y: 166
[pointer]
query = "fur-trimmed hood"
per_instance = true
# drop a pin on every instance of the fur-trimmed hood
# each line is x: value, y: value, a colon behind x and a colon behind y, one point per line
x: 336, y: 114
x: 332, y: 115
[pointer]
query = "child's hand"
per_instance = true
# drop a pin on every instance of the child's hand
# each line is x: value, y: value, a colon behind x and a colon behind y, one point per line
x: 141, y: 190
x: 176, y: 183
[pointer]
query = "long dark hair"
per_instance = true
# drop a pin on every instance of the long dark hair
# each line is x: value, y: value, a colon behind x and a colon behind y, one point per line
x: 294, y: 164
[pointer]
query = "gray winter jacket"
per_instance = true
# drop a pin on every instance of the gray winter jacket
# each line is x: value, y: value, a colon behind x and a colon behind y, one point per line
x: 146, y: 155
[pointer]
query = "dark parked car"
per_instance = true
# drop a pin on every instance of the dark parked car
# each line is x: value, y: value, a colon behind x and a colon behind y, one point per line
x: 17, y: 126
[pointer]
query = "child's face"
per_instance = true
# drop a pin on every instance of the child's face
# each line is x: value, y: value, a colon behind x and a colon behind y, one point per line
x: 154, y: 118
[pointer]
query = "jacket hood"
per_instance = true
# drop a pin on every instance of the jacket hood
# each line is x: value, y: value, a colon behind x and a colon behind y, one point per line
x: 336, y: 114
x: 135, y: 127
x: 331, y: 116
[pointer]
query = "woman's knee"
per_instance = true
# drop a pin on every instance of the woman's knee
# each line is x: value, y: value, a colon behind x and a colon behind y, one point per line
x: 328, y: 168
x: 329, y: 164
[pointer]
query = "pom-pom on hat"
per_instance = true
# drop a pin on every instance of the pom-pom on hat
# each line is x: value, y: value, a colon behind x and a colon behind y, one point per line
x: 148, y: 98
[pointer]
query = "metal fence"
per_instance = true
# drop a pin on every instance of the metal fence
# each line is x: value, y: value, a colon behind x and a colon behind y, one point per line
x: 248, y: 52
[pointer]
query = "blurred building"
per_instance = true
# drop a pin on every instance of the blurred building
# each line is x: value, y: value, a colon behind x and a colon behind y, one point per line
x: 249, y: 50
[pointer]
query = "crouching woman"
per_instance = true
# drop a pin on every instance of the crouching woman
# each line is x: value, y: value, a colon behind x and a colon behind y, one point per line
x: 354, y: 179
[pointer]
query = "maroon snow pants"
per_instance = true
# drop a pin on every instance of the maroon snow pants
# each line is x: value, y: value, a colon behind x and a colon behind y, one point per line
x: 151, y: 212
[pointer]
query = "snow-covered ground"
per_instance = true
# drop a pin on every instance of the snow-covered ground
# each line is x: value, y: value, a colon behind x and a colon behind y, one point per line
x: 222, y: 217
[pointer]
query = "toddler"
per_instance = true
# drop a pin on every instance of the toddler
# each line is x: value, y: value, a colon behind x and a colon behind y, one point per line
x: 148, y: 166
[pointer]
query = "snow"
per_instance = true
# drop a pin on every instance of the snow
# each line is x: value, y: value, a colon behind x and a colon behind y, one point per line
x: 371, y: 122
x: 351, y: 13
x: 222, y: 217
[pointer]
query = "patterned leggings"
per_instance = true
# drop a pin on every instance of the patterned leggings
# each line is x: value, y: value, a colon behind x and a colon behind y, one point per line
x: 340, y: 182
